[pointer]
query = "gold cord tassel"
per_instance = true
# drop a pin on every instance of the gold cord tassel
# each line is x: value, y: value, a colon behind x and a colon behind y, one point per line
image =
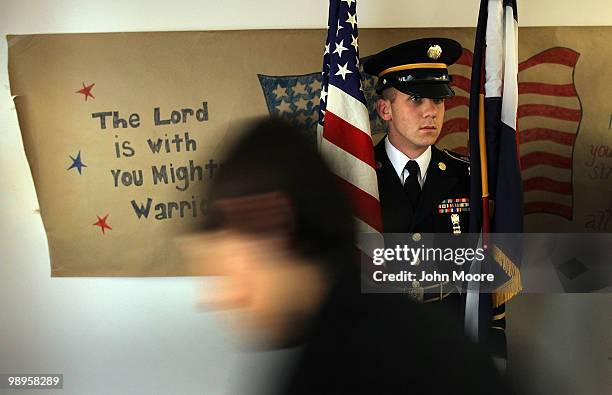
x: 511, y: 287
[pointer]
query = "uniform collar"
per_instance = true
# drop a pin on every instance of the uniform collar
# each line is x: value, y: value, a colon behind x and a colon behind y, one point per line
x: 398, y: 159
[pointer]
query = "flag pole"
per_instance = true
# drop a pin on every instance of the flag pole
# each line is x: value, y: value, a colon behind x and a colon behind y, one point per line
x: 483, y: 171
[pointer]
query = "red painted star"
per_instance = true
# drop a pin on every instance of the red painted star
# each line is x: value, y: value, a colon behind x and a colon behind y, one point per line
x: 102, y: 223
x: 86, y: 91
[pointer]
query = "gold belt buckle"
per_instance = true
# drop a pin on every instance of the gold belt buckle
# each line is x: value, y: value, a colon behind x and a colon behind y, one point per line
x: 417, y: 294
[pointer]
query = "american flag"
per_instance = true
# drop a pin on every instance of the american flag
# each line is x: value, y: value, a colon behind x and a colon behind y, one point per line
x: 344, y: 122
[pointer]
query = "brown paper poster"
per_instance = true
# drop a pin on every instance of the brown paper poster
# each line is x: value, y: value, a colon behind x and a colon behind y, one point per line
x: 124, y: 131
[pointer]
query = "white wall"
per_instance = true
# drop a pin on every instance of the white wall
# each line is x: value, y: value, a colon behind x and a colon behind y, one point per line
x: 144, y: 335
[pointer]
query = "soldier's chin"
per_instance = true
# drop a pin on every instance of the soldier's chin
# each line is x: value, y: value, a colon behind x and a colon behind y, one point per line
x: 427, y: 139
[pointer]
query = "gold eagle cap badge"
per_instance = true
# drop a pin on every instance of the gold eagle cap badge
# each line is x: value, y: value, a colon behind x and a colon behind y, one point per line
x: 434, y: 52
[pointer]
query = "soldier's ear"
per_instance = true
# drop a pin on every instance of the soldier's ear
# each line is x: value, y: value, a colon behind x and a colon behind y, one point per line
x: 383, y: 108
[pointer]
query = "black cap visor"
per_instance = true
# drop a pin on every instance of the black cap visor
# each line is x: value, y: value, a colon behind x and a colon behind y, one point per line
x: 426, y: 90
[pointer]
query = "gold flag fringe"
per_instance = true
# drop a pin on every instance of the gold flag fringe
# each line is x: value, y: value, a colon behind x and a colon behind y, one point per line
x: 513, y: 286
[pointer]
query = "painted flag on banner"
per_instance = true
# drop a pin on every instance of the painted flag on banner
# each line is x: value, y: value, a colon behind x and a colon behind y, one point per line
x: 495, y: 169
x: 549, y: 117
x: 344, y: 123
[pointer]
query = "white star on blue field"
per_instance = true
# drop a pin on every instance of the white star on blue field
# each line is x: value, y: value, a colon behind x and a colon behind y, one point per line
x: 77, y: 163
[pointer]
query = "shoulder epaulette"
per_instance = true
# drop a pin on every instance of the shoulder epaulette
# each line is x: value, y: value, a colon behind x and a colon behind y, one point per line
x: 456, y: 156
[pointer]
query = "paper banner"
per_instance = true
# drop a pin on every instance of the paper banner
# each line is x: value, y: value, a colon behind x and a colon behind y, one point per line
x: 124, y: 131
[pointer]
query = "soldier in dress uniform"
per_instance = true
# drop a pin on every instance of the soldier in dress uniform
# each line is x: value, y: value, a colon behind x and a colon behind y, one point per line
x: 422, y: 189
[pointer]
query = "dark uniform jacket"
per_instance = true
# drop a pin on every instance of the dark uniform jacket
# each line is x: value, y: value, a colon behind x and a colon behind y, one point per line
x: 448, y: 179
x: 447, y: 185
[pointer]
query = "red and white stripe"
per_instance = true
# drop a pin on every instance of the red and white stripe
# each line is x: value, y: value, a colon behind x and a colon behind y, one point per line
x: 346, y: 143
x: 549, y: 115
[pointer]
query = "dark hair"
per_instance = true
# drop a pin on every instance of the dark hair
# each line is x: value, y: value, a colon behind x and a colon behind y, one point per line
x: 275, y: 156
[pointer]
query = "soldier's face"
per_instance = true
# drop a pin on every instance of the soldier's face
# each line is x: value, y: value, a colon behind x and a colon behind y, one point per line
x: 414, y: 123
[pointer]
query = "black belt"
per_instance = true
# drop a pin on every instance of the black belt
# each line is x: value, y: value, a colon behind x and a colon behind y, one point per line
x: 431, y: 293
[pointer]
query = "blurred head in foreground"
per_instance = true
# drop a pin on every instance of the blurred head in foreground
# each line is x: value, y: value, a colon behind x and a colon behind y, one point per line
x: 279, y: 230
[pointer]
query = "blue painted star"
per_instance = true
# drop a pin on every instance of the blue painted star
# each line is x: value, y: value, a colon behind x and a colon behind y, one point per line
x: 77, y: 163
